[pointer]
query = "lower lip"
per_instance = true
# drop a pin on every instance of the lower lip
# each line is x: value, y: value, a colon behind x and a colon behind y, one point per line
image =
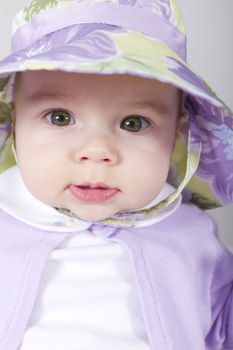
x: 92, y: 195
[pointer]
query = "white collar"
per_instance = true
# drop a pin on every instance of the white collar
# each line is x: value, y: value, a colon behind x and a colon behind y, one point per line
x: 16, y: 200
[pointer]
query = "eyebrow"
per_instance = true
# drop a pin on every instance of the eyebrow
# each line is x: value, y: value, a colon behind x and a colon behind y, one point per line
x: 158, y: 106
x: 40, y: 96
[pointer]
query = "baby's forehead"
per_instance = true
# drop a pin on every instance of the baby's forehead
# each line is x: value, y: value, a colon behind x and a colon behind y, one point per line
x: 125, y: 88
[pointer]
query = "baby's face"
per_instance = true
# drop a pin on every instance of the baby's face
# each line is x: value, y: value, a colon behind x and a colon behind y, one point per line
x: 94, y: 144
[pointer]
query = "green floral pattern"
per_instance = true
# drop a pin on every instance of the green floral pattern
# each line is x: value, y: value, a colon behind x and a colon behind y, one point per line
x: 36, y: 6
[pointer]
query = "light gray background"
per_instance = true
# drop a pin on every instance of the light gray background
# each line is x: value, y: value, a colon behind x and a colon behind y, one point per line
x: 209, y: 27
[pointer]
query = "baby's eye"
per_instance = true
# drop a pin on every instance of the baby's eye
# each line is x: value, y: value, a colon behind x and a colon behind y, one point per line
x: 134, y: 123
x: 60, y: 118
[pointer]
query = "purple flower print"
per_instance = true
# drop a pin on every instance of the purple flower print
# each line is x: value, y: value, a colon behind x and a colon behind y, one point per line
x: 217, y: 148
x: 77, y: 43
x: 225, y: 136
x: 216, y: 130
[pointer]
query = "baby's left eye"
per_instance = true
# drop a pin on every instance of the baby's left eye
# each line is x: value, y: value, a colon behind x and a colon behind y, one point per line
x: 134, y: 123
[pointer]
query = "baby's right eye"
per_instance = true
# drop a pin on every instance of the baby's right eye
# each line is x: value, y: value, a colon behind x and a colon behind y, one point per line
x: 60, y: 118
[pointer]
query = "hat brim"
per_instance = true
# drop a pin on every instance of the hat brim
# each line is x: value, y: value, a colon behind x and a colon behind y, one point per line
x: 105, y: 49
x: 108, y: 49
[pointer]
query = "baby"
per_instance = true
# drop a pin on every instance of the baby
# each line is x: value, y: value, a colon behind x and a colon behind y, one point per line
x: 107, y: 138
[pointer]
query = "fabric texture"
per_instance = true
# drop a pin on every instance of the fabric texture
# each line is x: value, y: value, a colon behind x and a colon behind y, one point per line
x: 183, y: 274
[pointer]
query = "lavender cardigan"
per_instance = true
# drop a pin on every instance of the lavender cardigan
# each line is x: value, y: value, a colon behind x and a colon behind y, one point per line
x: 183, y: 274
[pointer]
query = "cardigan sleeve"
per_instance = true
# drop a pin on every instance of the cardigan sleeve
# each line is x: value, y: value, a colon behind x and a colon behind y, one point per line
x: 220, y: 336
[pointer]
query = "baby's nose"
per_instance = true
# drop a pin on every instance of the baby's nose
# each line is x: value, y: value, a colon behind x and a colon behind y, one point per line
x: 98, y: 155
x: 98, y: 150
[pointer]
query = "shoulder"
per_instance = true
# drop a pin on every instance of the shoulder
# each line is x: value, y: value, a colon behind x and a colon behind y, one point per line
x: 188, y: 221
x: 188, y: 238
x: 188, y: 216
x: 189, y: 231
x: 194, y: 227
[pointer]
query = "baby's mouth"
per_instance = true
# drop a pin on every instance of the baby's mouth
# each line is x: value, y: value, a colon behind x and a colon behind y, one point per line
x: 93, y: 192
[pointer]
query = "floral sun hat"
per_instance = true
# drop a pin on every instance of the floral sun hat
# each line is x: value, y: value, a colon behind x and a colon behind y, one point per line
x: 145, y: 38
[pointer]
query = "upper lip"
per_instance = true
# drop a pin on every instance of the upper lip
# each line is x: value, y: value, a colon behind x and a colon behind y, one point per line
x: 99, y: 185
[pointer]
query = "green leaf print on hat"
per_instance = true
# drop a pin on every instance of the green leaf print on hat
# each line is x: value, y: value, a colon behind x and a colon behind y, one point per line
x: 35, y: 7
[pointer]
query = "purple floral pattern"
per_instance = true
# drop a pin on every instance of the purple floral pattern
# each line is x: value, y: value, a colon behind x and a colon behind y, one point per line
x: 216, y: 163
x: 76, y: 43
x: 225, y: 136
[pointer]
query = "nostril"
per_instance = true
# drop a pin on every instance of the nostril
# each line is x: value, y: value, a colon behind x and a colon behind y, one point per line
x: 96, y: 158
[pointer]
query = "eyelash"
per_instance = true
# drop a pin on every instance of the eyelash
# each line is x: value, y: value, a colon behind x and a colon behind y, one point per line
x: 138, y: 120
